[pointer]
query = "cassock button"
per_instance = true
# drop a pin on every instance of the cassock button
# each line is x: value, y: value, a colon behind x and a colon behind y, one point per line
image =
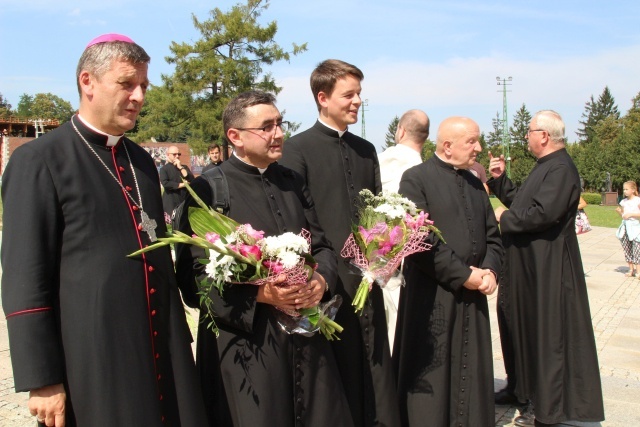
x: 152, y: 291
x: 155, y: 333
x: 153, y: 312
x: 121, y: 169
x: 161, y: 397
x: 159, y: 376
x: 150, y: 268
x: 298, y: 400
x: 128, y: 188
x: 158, y: 357
x: 135, y: 208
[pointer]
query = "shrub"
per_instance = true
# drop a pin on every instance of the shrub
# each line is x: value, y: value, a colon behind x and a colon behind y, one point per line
x: 592, y: 198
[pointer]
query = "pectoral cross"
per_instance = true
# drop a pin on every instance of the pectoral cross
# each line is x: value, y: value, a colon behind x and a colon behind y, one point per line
x: 148, y: 225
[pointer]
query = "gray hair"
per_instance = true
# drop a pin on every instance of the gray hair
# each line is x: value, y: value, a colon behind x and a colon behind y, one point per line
x: 97, y: 59
x: 551, y: 122
x: 235, y: 113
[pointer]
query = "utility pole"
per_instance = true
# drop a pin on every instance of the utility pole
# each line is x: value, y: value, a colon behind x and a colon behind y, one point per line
x: 506, y: 139
x: 365, y: 103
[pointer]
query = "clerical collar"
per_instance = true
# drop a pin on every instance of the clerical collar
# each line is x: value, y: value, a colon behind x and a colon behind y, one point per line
x: 112, y: 140
x: 261, y: 170
x: 455, y: 168
x: 340, y: 132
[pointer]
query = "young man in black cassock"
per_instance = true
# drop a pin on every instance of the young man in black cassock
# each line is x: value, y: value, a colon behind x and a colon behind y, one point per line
x: 215, y: 155
x: 254, y: 373
x: 442, y: 351
x: 336, y: 165
x: 97, y: 338
x: 555, y: 353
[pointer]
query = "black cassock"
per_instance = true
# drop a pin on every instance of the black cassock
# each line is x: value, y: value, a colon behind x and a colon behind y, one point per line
x: 79, y: 312
x: 336, y: 169
x: 170, y: 178
x: 442, y: 350
x: 548, y: 306
x: 255, y: 374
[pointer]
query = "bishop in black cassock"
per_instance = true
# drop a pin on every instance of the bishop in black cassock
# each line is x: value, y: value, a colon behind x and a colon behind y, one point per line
x: 442, y: 350
x: 79, y: 312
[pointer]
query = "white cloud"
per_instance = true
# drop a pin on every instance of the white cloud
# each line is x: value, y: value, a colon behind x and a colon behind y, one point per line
x: 467, y: 86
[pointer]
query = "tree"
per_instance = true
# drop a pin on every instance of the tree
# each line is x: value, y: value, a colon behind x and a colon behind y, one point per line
x: 595, y: 112
x: 390, y: 136
x: 225, y: 61
x: 522, y: 161
x: 24, y: 105
x: 50, y: 106
x: 5, y: 107
x: 494, y: 138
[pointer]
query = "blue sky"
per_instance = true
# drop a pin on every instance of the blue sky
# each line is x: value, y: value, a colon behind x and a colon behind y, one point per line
x: 439, y: 56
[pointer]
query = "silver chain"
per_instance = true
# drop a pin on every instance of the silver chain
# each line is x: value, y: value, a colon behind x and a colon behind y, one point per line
x: 109, y: 170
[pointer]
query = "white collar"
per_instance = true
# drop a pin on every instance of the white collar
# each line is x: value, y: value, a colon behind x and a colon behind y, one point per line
x: 111, y: 139
x: 340, y: 132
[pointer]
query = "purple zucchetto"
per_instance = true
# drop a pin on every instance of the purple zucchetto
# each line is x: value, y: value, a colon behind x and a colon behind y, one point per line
x: 111, y: 37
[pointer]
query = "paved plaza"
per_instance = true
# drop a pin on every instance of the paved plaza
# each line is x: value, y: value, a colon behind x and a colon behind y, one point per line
x: 615, y: 311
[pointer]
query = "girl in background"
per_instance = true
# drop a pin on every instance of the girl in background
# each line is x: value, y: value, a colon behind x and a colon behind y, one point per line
x: 629, y: 231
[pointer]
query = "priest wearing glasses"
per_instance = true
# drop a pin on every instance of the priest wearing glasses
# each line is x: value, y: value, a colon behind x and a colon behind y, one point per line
x: 96, y: 338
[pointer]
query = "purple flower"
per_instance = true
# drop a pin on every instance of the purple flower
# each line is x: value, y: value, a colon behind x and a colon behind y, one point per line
x: 395, y: 235
x: 212, y: 237
x: 369, y: 235
x: 250, y: 235
x: 274, y: 266
x: 252, y: 252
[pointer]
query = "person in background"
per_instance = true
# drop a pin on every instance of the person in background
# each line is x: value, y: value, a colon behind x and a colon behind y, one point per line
x: 97, y: 339
x: 582, y: 220
x: 629, y: 230
x: 411, y: 134
x: 214, y: 156
x: 442, y: 350
x: 548, y: 305
x: 172, y: 175
x: 336, y: 165
x: 478, y: 171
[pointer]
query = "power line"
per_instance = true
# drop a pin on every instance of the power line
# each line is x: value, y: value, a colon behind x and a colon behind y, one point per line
x: 506, y: 138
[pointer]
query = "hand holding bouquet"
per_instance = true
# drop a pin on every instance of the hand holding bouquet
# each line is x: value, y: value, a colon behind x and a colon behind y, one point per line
x: 390, y: 228
x: 237, y: 254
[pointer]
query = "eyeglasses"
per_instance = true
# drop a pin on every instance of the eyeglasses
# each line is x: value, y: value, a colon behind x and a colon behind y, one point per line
x: 535, y: 130
x: 271, y: 127
x: 175, y: 154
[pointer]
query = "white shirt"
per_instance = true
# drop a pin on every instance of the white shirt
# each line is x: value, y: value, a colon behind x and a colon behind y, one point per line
x: 393, y: 162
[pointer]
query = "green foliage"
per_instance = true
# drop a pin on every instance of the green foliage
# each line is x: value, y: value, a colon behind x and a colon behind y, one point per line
x: 226, y: 60
x: 5, y: 107
x: 592, y: 198
x: 390, y: 136
x: 428, y: 149
x: 522, y: 161
x: 595, y: 112
x: 45, y: 106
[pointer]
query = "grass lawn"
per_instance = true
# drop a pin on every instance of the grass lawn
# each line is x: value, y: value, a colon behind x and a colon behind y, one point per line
x: 600, y: 216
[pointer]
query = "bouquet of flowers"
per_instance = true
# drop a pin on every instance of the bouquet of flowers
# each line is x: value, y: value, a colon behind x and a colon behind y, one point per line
x: 238, y: 254
x: 390, y: 229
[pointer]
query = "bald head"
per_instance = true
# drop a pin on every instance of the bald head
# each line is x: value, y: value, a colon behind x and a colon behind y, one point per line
x: 458, y: 141
x: 413, y: 129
